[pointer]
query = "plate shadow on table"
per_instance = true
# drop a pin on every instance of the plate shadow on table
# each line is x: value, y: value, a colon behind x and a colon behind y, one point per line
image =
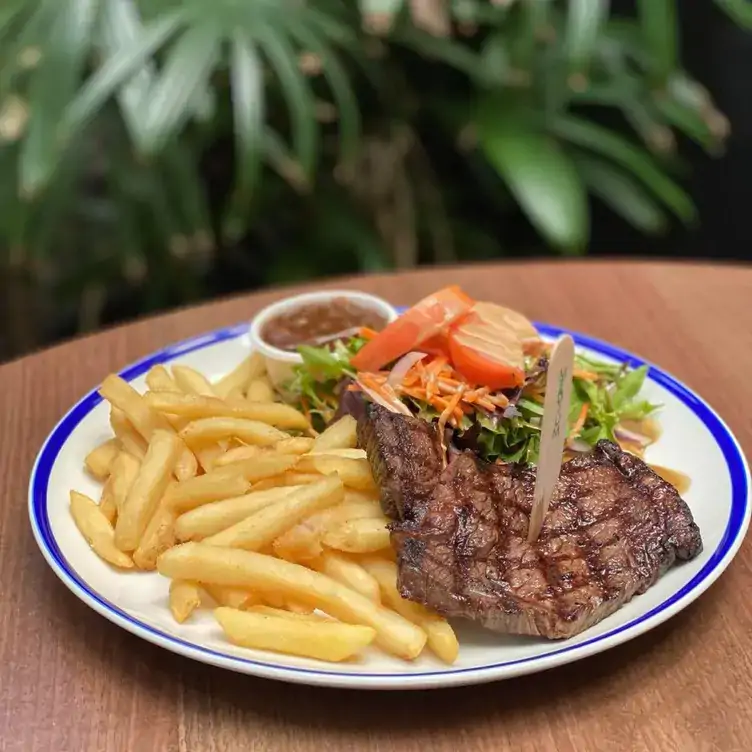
x: 155, y: 671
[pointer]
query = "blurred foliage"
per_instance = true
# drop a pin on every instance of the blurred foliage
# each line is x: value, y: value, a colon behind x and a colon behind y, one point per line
x: 156, y: 151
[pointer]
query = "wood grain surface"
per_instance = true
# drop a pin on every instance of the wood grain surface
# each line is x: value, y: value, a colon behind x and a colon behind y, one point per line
x: 70, y: 680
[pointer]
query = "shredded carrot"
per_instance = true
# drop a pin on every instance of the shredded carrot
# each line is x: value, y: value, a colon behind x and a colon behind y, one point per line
x: 367, y: 333
x: 580, y: 422
x: 585, y: 375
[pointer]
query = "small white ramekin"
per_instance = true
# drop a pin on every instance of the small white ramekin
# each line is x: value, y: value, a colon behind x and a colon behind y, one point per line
x: 280, y: 363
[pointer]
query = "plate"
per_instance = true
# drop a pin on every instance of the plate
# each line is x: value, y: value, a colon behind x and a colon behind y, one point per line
x: 695, y: 440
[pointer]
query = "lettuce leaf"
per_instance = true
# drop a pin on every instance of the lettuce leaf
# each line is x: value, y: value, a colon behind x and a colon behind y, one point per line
x: 318, y: 379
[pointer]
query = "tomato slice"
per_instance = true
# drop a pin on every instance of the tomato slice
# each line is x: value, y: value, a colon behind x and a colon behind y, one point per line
x: 423, y: 321
x: 486, y: 346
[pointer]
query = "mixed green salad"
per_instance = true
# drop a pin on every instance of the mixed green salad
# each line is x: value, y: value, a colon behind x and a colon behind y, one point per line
x: 605, y: 403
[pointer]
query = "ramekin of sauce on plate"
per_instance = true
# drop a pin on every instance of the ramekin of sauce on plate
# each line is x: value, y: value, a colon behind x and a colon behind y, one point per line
x: 314, y: 318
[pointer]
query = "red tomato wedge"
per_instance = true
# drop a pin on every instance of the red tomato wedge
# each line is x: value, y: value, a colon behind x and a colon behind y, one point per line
x: 424, y: 320
x: 486, y: 346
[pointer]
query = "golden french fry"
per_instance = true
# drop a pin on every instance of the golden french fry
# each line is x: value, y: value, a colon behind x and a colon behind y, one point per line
x: 130, y: 439
x: 158, y: 379
x: 294, y: 478
x: 99, y: 459
x: 260, y: 390
x: 147, y: 489
x: 251, y: 368
x: 157, y: 538
x: 219, y: 484
x: 349, y: 573
x: 325, y: 640
x: 441, y: 637
x: 123, y: 473
x: 107, y: 505
x: 365, y: 497
x: 196, y: 407
x: 247, y: 569
x: 294, y: 445
x: 355, y: 473
x: 340, y: 435
x: 295, y: 616
x: 238, y: 454
x: 146, y: 421
x: 97, y: 530
x: 263, y: 527
x: 207, y: 430
x: 208, y: 455
x: 191, y: 381
x: 185, y: 598
x: 232, y: 597
x: 353, y: 454
x: 359, y: 536
x: 302, y: 543
x: 216, y: 516
x: 264, y: 466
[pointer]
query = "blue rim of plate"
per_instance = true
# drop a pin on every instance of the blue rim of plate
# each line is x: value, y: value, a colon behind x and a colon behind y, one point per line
x: 736, y: 527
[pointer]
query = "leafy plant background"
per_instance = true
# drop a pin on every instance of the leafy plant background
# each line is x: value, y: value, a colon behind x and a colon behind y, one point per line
x: 158, y: 152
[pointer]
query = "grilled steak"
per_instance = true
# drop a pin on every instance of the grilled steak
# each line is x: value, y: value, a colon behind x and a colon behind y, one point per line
x: 612, y: 529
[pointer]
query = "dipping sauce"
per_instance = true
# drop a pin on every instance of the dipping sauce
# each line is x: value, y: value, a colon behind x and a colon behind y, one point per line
x: 319, y: 323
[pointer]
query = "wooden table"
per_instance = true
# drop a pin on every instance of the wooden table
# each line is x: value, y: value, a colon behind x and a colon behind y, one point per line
x: 72, y: 682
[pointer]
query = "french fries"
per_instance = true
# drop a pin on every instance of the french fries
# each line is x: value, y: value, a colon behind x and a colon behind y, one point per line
x: 196, y: 407
x: 121, y: 394
x: 158, y: 379
x: 126, y: 434
x: 312, y: 616
x: 261, y: 528
x: 340, y: 435
x: 99, y: 459
x: 302, y: 543
x: 260, y: 390
x: 283, y: 535
x: 212, y: 518
x: 185, y: 598
x: 97, y: 530
x: 355, y: 473
x: 147, y: 490
x: 232, y: 597
x: 349, y: 573
x: 247, y: 569
x: 219, y: 484
x: 207, y: 430
x: 123, y: 472
x: 158, y: 537
x: 189, y: 380
x: 325, y: 640
x: 251, y: 368
x: 441, y: 637
x: 359, y: 536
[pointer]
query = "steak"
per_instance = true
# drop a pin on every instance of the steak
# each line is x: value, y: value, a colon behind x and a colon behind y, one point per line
x: 612, y: 529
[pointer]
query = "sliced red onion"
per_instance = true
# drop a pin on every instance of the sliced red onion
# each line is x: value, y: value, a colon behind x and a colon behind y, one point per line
x: 578, y: 445
x: 402, y: 366
x: 394, y: 406
x: 626, y: 435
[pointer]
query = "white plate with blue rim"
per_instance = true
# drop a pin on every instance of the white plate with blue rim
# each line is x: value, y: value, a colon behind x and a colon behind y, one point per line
x: 694, y: 441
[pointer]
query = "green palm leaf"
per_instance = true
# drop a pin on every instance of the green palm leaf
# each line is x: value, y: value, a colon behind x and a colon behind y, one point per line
x: 52, y: 86
x: 248, y: 109
x: 596, y: 138
x: 624, y: 195
x: 187, y: 68
x: 118, y: 69
x: 540, y: 175
x: 347, y: 104
x: 297, y: 94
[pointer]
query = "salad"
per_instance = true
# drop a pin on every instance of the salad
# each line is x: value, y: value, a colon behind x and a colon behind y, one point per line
x: 479, y: 371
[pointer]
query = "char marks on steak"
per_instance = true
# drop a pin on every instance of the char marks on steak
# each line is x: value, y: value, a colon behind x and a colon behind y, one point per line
x: 460, y: 532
